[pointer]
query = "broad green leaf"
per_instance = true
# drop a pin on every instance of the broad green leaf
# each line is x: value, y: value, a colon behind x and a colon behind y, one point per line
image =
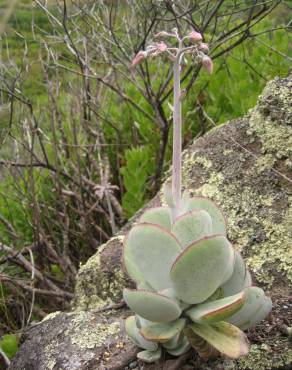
x: 158, y: 216
x: 244, y: 318
x: 182, y: 348
x: 9, y: 345
x: 216, y: 310
x: 152, y: 306
x: 218, y: 219
x: 199, y: 270
x: 163, y: 332
x: 149, y: 251
x: 133, y: 332
x: 226, y: 338
x: 236, y: 282
x: 192, y: 226
x: 150, y: 356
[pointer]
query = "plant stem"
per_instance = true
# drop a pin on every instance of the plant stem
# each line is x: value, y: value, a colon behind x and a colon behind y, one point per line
x: 177, y: 141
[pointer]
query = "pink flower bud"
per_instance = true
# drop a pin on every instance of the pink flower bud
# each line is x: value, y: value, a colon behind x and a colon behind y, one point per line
x: 207, y: 64
x: 204, y: 47
x: 161, y: 46
x: 139, y: 57
x: 195, y: 36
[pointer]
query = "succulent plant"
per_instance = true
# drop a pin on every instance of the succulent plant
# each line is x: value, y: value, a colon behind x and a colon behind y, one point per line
x: 193, y: 288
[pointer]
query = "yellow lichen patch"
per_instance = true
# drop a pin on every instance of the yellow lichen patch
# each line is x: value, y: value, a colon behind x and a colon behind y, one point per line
x: 277, y: 248
x: 263, y: 163
x: 210, y: 188
x: 88, y: 335
x: 227, y: 151
x: 264, y: 357
x: 268, y: 242
x: 49, y: 354
x: 95, y: 287
x: 51, y: 315
x: 204, y: 162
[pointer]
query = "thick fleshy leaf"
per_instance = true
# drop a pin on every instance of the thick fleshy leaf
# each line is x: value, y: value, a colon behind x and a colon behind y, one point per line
x: 152, y: 306
x: 244, y: 317
x: 174, y: 342
x: 247, y: 280
x: 145, y: 286
x: 151, y: 250
x: 158, y: 216
x: 182, y: 348
x: 192, y: 226
x: 150, y: 356
x: 133, y: 332
x: 141, y: 322
x: 263, y: 311
x: 226, y: 338
x: 203, y: 348
x: 229, y: 267
x: 236, y: 282
x: 163, y: 332
x: 170, y: 293
x: 199, y: 270
x: 167, y: 194
x: 216, y: 310
x: 218, y: 219
x: 132, y: 269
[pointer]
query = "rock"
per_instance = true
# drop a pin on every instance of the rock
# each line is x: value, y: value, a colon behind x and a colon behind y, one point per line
x: 246, y: 167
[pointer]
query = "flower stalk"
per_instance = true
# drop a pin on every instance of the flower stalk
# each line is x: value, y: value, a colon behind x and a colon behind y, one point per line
x: 198, y: 50
x: 177, y: 135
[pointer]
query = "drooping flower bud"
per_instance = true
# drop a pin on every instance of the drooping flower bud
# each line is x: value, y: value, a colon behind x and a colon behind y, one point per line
x: 207, y: 64
x: 204, y: 47
x: 161, y: 46
x: 162, y: 34
x: 139, y: 57
x: 195, y: 36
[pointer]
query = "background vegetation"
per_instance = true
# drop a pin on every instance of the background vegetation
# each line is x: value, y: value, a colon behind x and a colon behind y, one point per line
x: 84, y: 141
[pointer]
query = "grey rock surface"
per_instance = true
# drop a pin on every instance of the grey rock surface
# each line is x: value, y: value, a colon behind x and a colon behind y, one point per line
x: 246, y: 167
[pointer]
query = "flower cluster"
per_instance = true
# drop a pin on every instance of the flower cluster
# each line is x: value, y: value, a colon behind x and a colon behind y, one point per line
x: 196, y: 48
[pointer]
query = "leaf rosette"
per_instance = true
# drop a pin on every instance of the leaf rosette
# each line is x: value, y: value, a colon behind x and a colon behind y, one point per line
x: 193, y: 288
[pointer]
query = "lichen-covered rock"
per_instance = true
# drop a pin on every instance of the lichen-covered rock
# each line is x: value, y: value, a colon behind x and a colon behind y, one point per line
x: 246, y: 167
x: 73, y: 341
